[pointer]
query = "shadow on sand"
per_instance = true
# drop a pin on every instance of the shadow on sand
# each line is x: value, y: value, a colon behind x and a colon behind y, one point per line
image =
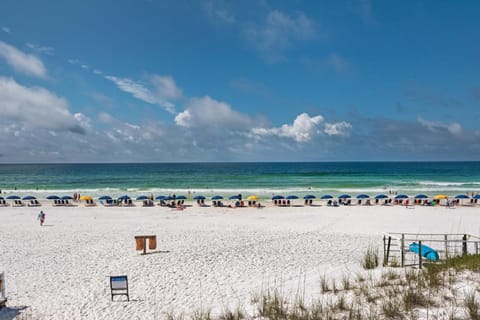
x: 9, y: 313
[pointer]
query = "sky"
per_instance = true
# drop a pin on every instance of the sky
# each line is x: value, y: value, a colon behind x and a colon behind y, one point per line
x: 214, y: 80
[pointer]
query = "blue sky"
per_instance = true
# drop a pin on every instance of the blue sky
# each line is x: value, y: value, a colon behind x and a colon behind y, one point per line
x: 95, y: 81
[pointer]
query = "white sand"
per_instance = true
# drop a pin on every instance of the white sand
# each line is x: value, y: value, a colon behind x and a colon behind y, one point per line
x: 211, y: 257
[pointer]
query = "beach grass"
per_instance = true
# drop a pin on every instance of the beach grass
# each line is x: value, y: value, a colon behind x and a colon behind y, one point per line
x: 431, y: 292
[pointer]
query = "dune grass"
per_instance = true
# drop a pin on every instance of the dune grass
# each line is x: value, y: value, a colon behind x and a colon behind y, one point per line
x: 431, y: 292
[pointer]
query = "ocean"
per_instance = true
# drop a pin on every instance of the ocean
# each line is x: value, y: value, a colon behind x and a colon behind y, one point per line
x: 262, y: 179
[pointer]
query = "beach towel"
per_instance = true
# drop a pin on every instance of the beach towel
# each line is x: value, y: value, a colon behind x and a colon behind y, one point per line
x: 152, y: 242
x: 139, y: 243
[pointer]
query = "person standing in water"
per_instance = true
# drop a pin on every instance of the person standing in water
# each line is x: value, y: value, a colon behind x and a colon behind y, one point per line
x: 41, y: 217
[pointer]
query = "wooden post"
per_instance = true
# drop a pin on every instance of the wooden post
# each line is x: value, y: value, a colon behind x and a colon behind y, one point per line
x: 144, y: 245
x: 388, y: 249
x: 384, y: 251
x: 446, y: 246
x: 420, y: 254
x: 464, y: 245
x: 402, y: 250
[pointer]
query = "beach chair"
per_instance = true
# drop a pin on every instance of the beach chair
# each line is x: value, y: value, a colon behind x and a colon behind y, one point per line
x: 3, y: 203
x: 34, y: 203
x: 18, y: 203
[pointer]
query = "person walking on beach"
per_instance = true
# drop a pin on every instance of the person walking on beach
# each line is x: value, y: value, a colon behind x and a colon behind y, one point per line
x: 41, y: 217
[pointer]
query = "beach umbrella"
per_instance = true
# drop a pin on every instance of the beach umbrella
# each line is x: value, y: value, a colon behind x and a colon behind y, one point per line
x: 234, y: 197
x: 252, y: 198
x: 53, y: 197
x: 462, y: 196
x: 344, y: 196
x: 1, y: 198
x: 163, y: 198
x: 278, y: 197
x: 142, y: 198
x: 105, y: 198
x: 180, y: 197
x: 13, y: 197
x: 67, y: 198
x: 440, y: 196
x: 124, y: 197
x: 199, y: 198
x: 217, y: 197
x: 421, y: 196
x: 401, y: 196
x: 86, y: 198
x: 327, y: 196
x: 309, y: 196
x: 363, y: 196
x: 381, y: 196
x: 29, y: 198
x: 292, y: 197
x: 474, y: 197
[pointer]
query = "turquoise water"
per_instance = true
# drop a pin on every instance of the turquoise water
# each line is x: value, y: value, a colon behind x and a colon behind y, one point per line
x: 263, y: 179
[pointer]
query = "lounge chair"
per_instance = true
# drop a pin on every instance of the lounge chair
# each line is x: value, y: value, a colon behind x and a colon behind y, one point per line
x: 34, y: 203
x: 3, y: 203
x: 18, y: 203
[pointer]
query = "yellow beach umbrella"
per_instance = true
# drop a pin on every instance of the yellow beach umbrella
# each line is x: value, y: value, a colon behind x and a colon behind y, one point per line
x: 86, y: 198
x: 252, y: 198
x: 440, y: 196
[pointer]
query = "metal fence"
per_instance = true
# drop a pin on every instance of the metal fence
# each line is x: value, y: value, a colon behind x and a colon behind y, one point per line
x: 396, y: 247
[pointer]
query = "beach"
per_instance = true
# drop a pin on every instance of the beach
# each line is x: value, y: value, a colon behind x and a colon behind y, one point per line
x: 206, y: 257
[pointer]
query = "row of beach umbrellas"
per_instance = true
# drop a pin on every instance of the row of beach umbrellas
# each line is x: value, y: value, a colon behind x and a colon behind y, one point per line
x: 249, y: 198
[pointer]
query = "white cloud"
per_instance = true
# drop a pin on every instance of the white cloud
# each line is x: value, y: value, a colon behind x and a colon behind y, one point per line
x: 453, y: 128
x: 22, y: 62
x: 159, y: 90
x: 40, y: 49
x: 303, y: 129
x: 279, y: 32
x: 36, y: 107
x: 96, y: 71
x: 207, y: 113
x: 219, y: 13
x: 73, y: 61
x: 6, y: 30
x: 337, y: 129
x: 165, y: 87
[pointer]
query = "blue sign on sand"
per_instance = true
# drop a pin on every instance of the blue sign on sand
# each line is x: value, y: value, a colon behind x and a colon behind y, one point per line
x: 119, y: 286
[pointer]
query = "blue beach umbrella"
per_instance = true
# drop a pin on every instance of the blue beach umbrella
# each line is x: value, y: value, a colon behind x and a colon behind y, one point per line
x: 475, y: 197
x: 13, y: 197
x: 199, y: 198
x: 67, y: 198
x: 52, y: 197
x: 421, y: 196
x: 217, y: 198
x: 327, y: 196
x: 309, y: 196
x: 165, y: 198
x: 142, y: 198
x: 278, y: 197
x: 29, y: 198
x: 401, y: 196
x: 363, y: 196
x: 124, y: 197
x: 180, y: 197
x: 292, y: 197
x: 235, y: 197
x: 1, y: 198
x: 344, y: 196
x: 381, y: 196
x: 462, y: 196
x: 104, y: 198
